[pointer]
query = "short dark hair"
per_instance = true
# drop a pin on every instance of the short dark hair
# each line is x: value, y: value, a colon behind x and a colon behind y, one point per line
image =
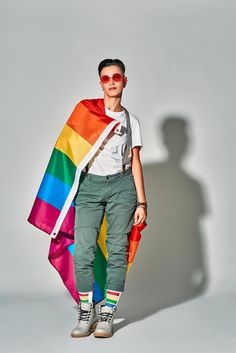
x: 110, y: 62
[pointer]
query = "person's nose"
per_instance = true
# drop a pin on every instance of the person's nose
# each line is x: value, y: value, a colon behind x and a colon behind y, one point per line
x: 111, y: 81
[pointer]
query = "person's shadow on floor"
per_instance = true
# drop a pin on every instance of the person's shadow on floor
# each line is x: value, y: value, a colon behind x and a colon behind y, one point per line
x: 170, y: 266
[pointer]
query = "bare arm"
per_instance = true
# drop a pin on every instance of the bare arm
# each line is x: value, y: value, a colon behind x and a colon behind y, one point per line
x: 140, y: 213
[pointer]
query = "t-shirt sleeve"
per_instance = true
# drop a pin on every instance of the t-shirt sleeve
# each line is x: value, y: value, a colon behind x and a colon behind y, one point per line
x: 136, y: 133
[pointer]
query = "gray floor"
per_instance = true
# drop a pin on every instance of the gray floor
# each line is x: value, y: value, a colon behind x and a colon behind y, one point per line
x: 42, y: 324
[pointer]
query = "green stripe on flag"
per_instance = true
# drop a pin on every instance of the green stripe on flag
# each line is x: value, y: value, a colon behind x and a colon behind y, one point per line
x: 61, y: 167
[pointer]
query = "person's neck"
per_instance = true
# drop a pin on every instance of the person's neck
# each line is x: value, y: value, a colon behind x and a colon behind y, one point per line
x: 113, y: 104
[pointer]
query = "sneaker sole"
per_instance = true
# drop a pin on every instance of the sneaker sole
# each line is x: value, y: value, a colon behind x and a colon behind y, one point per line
x: 85, y: 334
x: 102, y: 335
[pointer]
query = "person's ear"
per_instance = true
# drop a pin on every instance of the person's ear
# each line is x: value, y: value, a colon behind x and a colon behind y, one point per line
x: 125, y: 81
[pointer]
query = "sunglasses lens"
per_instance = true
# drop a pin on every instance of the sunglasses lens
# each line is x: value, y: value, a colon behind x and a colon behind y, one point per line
x: 105, y: 78
x: 117, y: 77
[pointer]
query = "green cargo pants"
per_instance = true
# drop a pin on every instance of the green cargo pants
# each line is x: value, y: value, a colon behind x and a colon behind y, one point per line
x: 116, y: 195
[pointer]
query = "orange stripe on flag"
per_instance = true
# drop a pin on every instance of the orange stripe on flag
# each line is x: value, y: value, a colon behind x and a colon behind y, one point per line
x: 90, y: 126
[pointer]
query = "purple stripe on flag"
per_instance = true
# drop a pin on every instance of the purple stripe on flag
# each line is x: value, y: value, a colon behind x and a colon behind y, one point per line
x: 68, y: 223
x: 43, y: 215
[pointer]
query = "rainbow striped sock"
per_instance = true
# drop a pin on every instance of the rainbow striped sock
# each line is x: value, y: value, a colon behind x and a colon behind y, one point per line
x: 86, y: 297
x: 112, y: 297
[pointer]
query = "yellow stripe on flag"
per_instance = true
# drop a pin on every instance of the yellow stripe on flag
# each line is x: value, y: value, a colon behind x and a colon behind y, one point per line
x: 102, y: 237
x: 73, y: 145
x: 128, y: 268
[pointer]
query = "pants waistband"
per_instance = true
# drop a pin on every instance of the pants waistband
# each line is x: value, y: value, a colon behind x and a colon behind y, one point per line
x: 107, y: 177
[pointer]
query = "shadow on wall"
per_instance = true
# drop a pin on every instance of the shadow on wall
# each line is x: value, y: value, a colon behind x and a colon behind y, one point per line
x: 170, y: 265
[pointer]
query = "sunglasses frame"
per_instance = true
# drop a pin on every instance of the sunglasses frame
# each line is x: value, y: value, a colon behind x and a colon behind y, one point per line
x: 121, y: 77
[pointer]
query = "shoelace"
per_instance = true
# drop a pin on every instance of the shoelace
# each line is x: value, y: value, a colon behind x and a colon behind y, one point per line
x: 84, y: 315
x: 105, y: 317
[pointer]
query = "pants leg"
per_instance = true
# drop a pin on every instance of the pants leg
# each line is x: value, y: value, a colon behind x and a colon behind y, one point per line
x: 89, y: 211
x: 120, y: 209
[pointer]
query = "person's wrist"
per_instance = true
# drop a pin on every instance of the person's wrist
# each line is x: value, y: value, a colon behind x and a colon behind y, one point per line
x: 142, y: 204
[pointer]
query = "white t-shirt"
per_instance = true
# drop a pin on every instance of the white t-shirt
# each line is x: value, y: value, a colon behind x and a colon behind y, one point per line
x: 108, y: 159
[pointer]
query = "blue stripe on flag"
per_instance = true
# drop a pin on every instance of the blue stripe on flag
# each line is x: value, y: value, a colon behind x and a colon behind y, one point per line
x: 71, y: 249
x: 53, y: 191
x: 97, y: 293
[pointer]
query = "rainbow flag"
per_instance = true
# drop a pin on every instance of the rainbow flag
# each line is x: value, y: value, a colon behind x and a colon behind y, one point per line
x: 53, y: 209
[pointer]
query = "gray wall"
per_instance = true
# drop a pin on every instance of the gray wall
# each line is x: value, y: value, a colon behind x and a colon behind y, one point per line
x: 180, y: 58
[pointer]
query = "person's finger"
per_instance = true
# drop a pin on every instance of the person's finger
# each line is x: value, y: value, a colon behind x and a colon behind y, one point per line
x: 135, y: 217
x: 138, y: 219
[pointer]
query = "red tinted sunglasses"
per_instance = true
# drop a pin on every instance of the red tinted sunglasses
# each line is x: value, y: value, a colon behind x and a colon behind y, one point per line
x: 115, y: 77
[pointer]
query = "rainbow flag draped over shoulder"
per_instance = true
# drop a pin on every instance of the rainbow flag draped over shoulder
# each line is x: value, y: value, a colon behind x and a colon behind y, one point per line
x: 53, y: 210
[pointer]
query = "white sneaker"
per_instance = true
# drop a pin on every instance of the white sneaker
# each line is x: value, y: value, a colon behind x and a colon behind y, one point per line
x: 104, y: 326
x: 87, y: 321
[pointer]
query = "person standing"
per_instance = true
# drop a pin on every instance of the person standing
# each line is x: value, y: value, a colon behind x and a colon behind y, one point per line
x: 111, y: 184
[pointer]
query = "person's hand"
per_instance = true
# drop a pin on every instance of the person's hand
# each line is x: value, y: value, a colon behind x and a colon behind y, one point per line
x: 140, y: 215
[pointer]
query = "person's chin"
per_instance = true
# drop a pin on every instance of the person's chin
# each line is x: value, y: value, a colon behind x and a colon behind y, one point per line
x: 114, y: 94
